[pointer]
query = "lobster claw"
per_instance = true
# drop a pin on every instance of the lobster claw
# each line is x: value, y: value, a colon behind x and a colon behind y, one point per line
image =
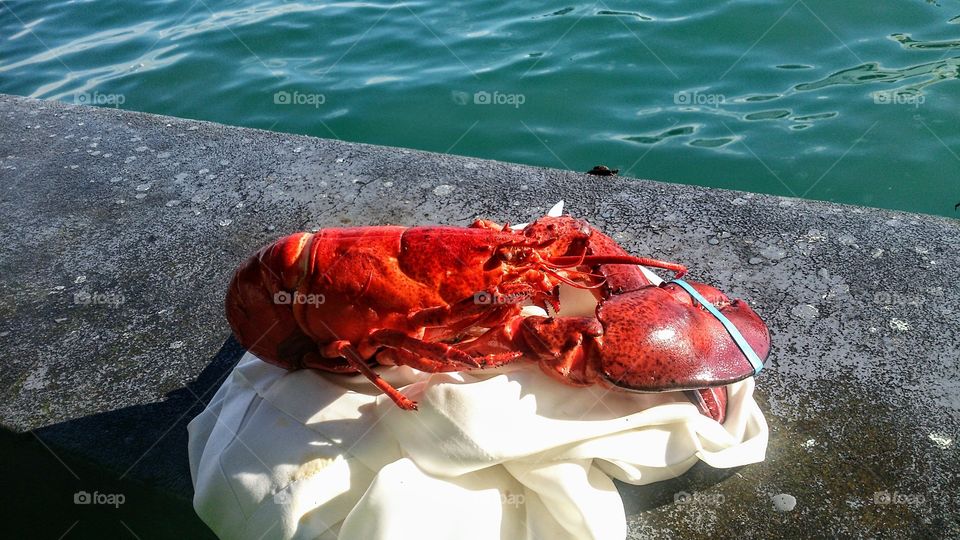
x: 663, y: 338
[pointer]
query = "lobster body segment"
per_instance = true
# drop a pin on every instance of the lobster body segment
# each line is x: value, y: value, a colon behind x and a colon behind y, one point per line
x: 440, y: 298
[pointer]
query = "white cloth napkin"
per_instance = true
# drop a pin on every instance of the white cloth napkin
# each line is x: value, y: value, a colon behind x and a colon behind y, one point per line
x: 507, y: 453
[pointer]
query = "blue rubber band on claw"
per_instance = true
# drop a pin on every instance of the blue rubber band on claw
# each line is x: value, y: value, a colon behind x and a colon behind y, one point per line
x: 731, y: 329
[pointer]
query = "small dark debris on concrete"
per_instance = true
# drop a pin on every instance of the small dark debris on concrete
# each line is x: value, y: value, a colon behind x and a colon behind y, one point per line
x: 603, y: 170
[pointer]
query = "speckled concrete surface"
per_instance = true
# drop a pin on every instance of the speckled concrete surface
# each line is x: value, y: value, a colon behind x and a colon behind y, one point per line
x: 119, y: 232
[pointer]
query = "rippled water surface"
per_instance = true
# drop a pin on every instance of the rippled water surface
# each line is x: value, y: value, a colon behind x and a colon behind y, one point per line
x: 853, y: 101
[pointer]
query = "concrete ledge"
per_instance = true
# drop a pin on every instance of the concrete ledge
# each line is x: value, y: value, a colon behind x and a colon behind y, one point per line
x: 119, y: 232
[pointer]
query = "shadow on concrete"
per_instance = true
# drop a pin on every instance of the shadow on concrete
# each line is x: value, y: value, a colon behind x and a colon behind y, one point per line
x: 144, y: 452
x: 699, y: 479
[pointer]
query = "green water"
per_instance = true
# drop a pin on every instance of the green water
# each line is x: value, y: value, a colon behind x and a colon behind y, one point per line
x: 852, y: 101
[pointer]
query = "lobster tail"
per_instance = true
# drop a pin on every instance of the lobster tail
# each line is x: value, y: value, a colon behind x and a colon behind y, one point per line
x: 260, y: 300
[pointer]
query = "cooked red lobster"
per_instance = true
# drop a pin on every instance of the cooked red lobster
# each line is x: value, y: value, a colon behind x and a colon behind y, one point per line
x: 441, y: 298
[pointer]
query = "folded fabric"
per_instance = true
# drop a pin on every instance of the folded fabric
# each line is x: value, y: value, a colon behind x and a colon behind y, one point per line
x: 506, y: 453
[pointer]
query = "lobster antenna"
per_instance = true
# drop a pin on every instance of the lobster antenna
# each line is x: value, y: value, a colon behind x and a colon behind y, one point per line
x: 578, y: 262
x: 570, y: 282
x: 678, y: 269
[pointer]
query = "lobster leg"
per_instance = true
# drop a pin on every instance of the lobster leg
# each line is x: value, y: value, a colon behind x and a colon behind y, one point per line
x: 563, y: 346
x: 711, y: 401
x: 440, y: 352
x: 437, y: 355
x: 485, y: 307
x: 487, y: 224
x: 345, y: 349
x: 400, y: 357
